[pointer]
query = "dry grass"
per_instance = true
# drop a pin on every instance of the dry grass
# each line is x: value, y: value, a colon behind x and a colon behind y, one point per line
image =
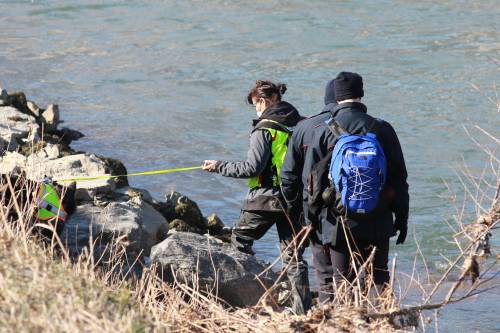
x: 42, y: 290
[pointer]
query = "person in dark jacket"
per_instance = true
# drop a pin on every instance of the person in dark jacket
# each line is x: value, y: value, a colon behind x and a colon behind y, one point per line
x: 293, y: 177
x: 263, y: 206
x: 337, y: 233
x: 293, y: 171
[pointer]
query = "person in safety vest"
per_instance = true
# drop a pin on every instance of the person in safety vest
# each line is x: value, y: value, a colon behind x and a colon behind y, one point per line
x: 263, y: 205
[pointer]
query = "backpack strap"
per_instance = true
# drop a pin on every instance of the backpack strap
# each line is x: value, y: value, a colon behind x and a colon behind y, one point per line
x: 268, y: 123
x: 334, y: 127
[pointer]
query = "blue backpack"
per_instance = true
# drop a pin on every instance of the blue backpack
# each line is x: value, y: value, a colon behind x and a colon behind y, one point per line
x: 358, y: 169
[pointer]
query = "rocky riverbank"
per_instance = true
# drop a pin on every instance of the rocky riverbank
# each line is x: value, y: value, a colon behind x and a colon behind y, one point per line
x: 172, y: 233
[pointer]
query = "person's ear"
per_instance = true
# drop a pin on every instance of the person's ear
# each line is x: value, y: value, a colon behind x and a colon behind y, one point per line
x: 264, y: 104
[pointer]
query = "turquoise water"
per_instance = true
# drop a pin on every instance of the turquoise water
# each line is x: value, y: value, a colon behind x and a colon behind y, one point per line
x: 163, y: 84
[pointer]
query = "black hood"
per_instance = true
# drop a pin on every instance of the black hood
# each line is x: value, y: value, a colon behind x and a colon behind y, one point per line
x: 282, y: 112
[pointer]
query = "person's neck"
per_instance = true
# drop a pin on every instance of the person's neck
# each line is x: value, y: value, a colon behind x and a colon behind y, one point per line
x: 350, y: 100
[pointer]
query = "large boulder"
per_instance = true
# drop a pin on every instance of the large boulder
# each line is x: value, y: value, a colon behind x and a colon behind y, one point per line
x: 134, y: 221
x: 218, y: 267
x: 16, y: 128
x: 141, y: 223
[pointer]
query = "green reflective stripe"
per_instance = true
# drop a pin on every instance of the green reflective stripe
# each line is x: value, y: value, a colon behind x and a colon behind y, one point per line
x: 254, y: 182
x: 44, y: 214
x: 279, y: 147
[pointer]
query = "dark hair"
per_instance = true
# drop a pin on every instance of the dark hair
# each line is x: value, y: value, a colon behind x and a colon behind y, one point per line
x: 267, y: 90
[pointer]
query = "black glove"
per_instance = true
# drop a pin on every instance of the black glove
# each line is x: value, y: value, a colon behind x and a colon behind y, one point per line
x: 402, y: 227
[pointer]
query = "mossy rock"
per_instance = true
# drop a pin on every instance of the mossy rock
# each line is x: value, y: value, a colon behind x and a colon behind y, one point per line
x: 187, y: 210
x: 181, y: 225
x: 180, y: 207
x: 165, y: 209
x: 18, y: 100
x: 215, y: 224
x: 116, y: 168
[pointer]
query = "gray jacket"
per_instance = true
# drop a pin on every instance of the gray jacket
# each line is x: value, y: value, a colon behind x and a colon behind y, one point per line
x: 258, y: 162
x: 258, y: 158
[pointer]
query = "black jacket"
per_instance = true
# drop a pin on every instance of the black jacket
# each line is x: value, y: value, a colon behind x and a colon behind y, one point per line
x: 354, y: 118
x: 258, y: 161
x: 293, y: 171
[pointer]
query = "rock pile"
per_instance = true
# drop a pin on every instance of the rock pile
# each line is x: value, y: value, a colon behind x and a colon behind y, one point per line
x: 108, y: 209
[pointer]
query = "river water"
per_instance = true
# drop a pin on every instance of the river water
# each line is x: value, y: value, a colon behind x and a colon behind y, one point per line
x: 161, y: 84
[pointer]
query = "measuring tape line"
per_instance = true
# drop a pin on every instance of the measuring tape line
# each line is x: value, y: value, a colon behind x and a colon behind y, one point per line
x: 146, y: 173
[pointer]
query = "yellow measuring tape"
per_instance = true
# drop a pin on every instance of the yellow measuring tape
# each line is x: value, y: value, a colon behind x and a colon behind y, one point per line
x: 156, y: 172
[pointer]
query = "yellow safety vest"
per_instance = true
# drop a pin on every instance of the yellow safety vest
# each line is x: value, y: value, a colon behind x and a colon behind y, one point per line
x: 49, y: 204
x: 279, y: 134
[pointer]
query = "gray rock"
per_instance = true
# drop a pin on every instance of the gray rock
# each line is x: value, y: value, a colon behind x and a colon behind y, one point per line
x: 49, y: 151
x: 12, y: 162
x: 90, y: 190
x: 217, y: 267
x: 215, y: 224
x: 154, y: 227
x: 135, y: 222
x: 35, y: 110
x: 17, y: 128
x: 78, y: 228
x: 51, y: 117
x: 131, y: 192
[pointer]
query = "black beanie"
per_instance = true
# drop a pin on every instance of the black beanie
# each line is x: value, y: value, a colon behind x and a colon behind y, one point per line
x: 348, y: 85
x: 330, y: 92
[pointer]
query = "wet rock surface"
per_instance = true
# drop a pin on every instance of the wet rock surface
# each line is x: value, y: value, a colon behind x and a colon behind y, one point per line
x: 212, y: 265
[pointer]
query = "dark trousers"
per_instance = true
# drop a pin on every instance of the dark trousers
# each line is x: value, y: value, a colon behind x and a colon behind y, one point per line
x: 252, y: 226
x: 333, y: 264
